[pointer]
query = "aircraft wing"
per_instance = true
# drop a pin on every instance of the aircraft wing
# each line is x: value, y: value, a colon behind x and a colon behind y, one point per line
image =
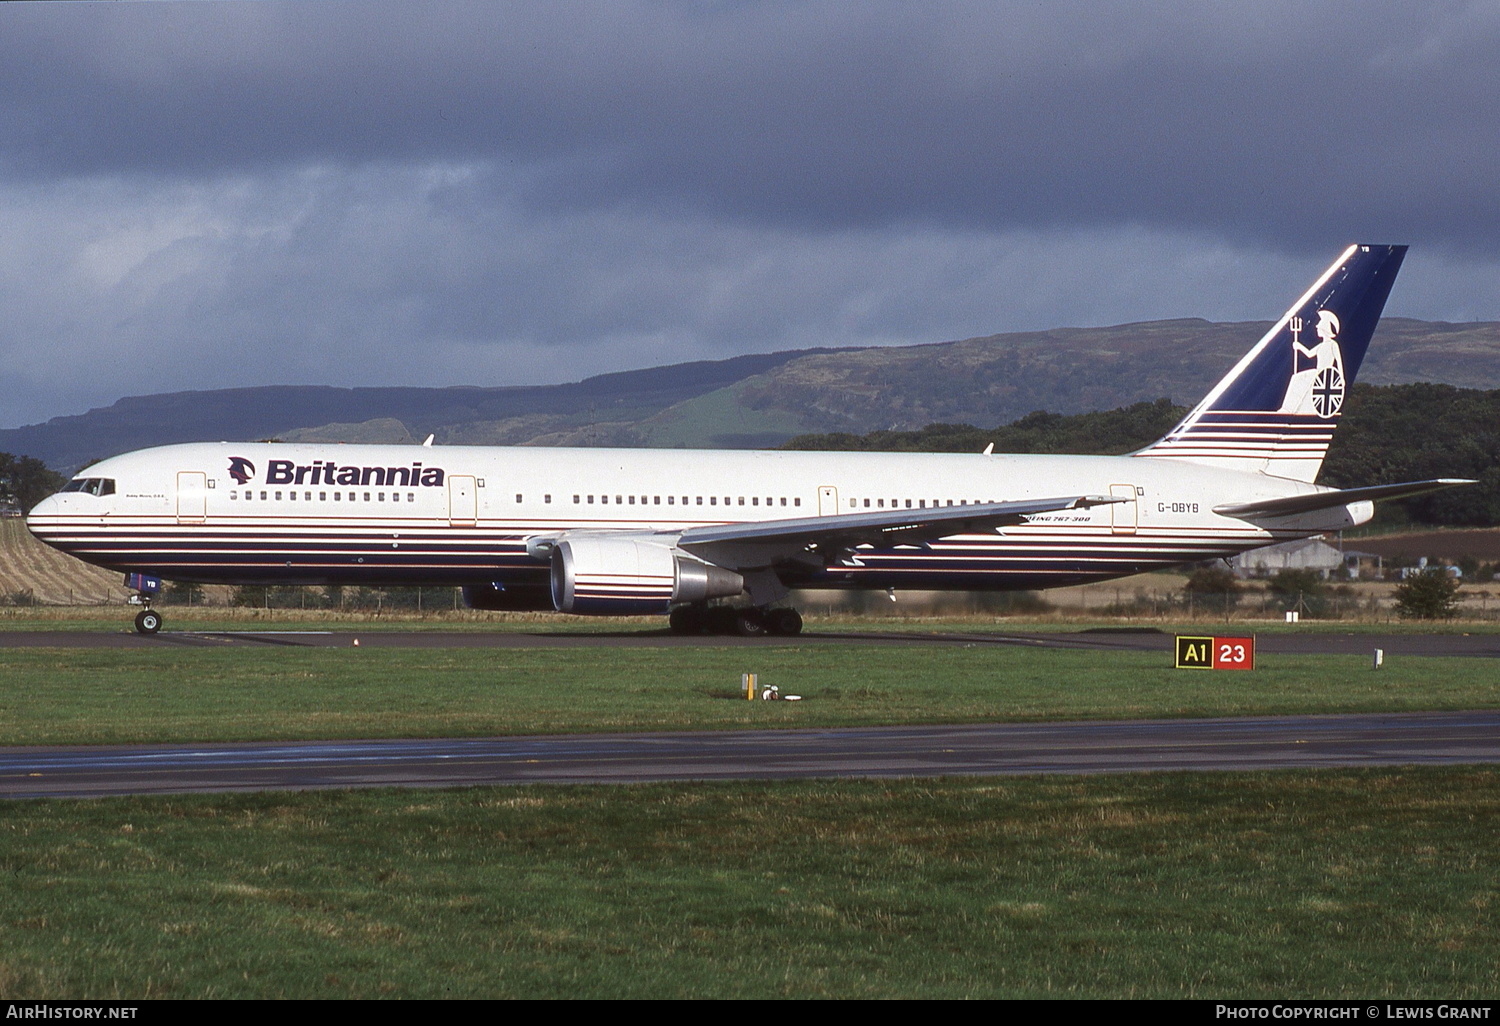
x: 1293, y: 504
x: 830, y: 538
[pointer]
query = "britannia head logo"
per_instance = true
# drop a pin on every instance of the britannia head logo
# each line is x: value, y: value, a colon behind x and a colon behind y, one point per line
x: 241, y: 469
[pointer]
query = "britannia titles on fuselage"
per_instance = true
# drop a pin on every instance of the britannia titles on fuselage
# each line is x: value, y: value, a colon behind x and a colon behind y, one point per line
x: 330, y: 473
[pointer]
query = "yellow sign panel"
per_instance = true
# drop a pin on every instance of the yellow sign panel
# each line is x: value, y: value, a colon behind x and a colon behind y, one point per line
x: 1195, y: 653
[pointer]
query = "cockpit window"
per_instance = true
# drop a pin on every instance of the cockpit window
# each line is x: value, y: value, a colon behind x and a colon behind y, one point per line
x: 91, y: 485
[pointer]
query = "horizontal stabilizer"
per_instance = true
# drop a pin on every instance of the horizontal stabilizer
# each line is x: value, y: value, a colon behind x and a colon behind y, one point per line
x: 1313, y: 501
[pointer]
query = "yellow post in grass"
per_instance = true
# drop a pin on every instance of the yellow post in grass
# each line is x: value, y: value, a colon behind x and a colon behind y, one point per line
x: 749, y: 680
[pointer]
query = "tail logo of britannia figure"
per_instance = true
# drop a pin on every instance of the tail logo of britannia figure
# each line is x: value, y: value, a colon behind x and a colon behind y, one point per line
x: 1317, y: 382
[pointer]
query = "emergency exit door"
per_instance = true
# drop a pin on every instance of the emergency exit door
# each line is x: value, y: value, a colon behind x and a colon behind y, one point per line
x: 1122, y: 515
x: 463, y: 501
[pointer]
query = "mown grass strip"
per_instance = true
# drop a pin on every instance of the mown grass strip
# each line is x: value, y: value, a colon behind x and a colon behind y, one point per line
x: 1290, y: 884
x: 82, y: 696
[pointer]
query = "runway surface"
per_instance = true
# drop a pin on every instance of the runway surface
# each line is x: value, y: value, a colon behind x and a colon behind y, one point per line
x: 982, y: 749
x: 1481, y: 645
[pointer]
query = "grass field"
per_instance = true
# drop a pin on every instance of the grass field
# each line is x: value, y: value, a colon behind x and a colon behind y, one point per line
x: 1297, y: 883
x: 1273, y: 885
x: 90, y: 696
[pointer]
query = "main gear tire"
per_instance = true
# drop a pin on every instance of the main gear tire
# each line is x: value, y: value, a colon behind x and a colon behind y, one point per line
x: 750, y: 623
x: 784, y: 623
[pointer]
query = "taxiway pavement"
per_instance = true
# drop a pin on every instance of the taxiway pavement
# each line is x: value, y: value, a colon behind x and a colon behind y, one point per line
x: 1247, y: 743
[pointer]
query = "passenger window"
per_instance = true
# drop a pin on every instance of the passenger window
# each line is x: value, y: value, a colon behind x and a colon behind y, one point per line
x: 518, y: 498
x: 547, y: 499
x: 367, y: 496
x: 618, y: 500
x: 262, y: 496
x: 632, y: 500
x: 795, y: 502
x: 713, y: 500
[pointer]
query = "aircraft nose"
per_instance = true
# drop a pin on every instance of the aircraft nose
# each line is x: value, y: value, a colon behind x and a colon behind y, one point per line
x: 46, y: 508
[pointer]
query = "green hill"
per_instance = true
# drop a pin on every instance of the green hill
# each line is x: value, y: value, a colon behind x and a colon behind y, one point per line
x: 758, y: 401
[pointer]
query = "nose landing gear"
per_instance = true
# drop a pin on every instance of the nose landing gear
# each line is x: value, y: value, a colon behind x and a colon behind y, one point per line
x: 148, y: 620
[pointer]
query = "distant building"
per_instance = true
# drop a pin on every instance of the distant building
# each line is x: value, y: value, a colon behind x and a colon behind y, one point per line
x: 1305, y: 554
x: 1364, y: 564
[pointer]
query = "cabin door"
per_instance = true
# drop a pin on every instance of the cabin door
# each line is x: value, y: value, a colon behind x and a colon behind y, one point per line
x: 463, y: 501
x: 192, y: 496
x: 1122, y: 515
x: 828, y: 501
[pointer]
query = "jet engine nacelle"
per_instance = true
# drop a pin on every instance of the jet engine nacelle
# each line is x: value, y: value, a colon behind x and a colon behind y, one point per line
x: 621, y: 576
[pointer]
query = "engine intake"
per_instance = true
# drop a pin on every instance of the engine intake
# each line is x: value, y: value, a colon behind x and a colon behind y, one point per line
x: 623, y: 576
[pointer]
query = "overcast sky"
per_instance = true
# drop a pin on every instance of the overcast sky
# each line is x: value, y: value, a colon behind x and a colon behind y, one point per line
x: 205, y: 195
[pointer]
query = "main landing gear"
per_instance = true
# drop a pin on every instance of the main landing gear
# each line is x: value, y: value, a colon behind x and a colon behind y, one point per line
x: 747, y: 623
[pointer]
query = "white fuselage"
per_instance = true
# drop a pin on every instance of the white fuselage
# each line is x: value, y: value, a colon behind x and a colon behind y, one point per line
x: 461, y: 515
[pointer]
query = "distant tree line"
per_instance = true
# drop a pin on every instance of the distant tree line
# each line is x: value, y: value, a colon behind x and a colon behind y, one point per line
x: 1388, y: 433
x: 24, y: 482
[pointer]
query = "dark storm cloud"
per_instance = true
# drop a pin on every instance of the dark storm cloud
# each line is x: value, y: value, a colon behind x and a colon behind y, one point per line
x: 205, y: 195
x: 1282, y: 123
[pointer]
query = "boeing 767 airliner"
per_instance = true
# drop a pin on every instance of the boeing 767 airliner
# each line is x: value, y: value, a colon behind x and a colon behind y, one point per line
x: 664, y: 531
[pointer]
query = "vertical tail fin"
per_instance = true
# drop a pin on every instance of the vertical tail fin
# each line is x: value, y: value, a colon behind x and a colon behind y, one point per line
x: 1276, y: 410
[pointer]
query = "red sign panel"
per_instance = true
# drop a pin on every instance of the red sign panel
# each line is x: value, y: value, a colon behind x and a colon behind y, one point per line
x: 1234, y: 653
